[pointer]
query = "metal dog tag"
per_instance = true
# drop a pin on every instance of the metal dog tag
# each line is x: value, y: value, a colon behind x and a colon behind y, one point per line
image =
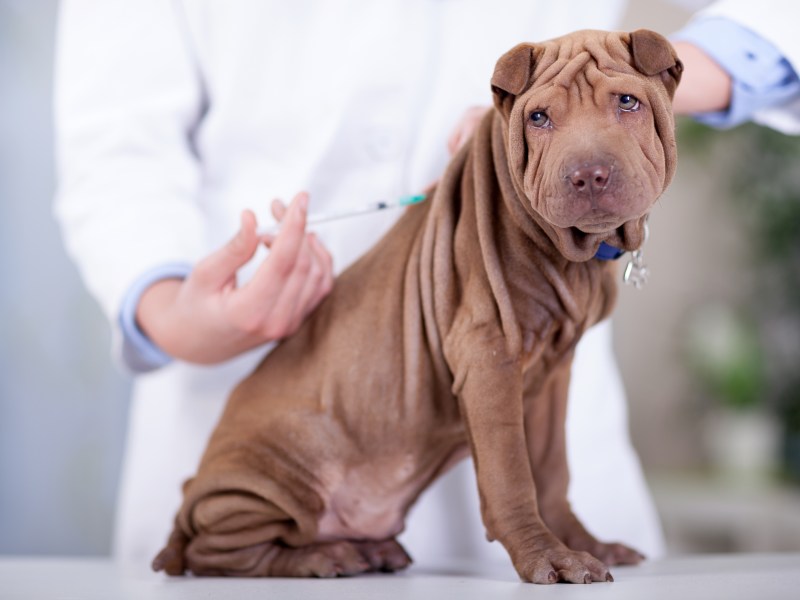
x: 636, y: 272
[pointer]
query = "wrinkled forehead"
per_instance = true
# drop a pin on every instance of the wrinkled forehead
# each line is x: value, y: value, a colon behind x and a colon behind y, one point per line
x: 588, y: 56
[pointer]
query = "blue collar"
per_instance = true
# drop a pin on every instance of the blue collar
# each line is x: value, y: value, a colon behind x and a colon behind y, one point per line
x: 608, y: 252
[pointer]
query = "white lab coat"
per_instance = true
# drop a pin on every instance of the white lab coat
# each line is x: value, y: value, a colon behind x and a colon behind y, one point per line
x: 174, y: 116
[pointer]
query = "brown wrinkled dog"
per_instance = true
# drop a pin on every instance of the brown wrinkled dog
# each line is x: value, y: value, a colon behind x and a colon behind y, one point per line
x: 454, y: 334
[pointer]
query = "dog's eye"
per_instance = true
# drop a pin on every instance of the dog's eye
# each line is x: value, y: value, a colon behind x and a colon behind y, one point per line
x: 539, y: 118
x: 628, y: 103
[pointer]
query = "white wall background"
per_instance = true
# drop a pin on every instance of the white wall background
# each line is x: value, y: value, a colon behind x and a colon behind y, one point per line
x: 62, y: 405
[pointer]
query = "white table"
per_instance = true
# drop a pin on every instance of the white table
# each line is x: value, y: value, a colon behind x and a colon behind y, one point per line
x: 732, y: 577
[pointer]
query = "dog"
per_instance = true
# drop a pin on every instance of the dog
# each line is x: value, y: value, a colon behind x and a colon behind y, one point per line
x: 452, y: 336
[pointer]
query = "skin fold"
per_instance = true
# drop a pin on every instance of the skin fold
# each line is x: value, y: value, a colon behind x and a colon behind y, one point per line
x: 453, y: 336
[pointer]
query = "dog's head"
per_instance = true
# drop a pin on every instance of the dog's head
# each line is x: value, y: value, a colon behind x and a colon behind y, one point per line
x: 590, y: 133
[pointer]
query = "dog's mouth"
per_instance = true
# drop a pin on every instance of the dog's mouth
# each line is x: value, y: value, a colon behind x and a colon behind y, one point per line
x: 583, y: 240
x: 580, y: 245
x: 583, y: 244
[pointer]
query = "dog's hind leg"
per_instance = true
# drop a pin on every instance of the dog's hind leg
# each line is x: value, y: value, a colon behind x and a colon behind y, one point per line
x: 329, y: 559
x: 224, y: 533
x: 252, y: 538
x: 245, y: 535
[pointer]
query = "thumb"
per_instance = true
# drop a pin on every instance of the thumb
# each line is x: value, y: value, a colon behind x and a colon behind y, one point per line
x: 218, y: 268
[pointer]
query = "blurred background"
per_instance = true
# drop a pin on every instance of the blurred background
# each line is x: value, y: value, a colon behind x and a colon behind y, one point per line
x: 709, y: 349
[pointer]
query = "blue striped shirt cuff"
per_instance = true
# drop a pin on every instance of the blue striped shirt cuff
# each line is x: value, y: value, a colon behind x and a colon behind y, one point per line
x: 139, y: 353
x: 761, y: 75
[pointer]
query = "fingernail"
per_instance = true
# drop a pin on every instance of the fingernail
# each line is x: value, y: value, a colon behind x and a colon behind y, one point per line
x: 552, y: 577
x: 303, y: 202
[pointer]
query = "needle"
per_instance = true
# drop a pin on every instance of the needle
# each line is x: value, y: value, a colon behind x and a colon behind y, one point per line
x: 370, y: 208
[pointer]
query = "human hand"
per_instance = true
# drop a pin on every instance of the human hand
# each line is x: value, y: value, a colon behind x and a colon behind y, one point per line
x: 705, y: 86
x: 466, y: 125
x: 207, y: 318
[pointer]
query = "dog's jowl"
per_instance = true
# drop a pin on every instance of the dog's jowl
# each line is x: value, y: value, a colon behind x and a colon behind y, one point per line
x: 454, y: 335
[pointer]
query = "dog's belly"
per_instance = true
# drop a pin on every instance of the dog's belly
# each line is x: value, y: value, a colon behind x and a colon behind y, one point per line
x: 370, y: 501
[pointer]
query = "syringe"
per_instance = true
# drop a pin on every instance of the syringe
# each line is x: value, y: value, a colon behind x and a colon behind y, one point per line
x: 370, y: 208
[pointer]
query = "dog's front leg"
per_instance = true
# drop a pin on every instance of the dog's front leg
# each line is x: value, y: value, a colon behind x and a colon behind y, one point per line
x: 490, y: 391
x: 545, y: 430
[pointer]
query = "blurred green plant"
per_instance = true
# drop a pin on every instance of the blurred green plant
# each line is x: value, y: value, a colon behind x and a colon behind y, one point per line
x: 725, y: 356
x: 762, y: 367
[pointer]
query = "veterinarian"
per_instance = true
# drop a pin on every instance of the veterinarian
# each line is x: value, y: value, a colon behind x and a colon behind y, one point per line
x: 177, y: 123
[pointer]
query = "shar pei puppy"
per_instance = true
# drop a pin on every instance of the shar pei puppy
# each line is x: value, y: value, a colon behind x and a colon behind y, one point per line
x: 453, y: 336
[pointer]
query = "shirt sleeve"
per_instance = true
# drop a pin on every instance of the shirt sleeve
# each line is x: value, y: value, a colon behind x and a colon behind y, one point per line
x: 762, y: 77
x: 138, y: 352
x: 128, y: 100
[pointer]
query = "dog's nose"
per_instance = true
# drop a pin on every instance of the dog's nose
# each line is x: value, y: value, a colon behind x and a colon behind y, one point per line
x: 590, y: 178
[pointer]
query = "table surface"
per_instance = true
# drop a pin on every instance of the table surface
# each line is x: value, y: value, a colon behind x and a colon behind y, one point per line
x: 732, y: 576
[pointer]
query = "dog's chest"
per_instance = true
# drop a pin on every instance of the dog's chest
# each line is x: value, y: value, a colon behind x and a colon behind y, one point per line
x: 553, y: 312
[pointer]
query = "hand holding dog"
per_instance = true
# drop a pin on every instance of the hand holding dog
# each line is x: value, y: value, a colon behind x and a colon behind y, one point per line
x: 465, y: 127
x: 207, y: 318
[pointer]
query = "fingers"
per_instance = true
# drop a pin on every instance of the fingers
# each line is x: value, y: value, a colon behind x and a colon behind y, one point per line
x: 278, y: 209
x: 289, y: 240
x: 215, y: 320
x: 290, y: 282
x: 317, y: 284
x: 295, y: 292
x: 285, y: 248
x: 309, y: 282
x: 219, y: 268
x: 326, y: 261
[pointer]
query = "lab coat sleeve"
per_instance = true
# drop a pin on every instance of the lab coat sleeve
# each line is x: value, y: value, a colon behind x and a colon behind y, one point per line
x: 128, y: 99
x: 138, y: 352
x: 760, y: 76
x: 775, y: 21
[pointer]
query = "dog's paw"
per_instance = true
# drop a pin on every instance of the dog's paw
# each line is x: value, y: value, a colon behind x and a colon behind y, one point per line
x: 340, y: 559
x: 561, y: 564
x: 616, y: 554
x: 387, y: 555
x: 329, y: 560
x: 576, y: 538
x: 169, y: 560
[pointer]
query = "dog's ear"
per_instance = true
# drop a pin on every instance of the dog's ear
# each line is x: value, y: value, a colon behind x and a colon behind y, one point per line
x: 653, y: 55
x: 512, y: 76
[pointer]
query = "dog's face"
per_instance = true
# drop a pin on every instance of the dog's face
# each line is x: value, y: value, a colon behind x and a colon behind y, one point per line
x: 590, y: 133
